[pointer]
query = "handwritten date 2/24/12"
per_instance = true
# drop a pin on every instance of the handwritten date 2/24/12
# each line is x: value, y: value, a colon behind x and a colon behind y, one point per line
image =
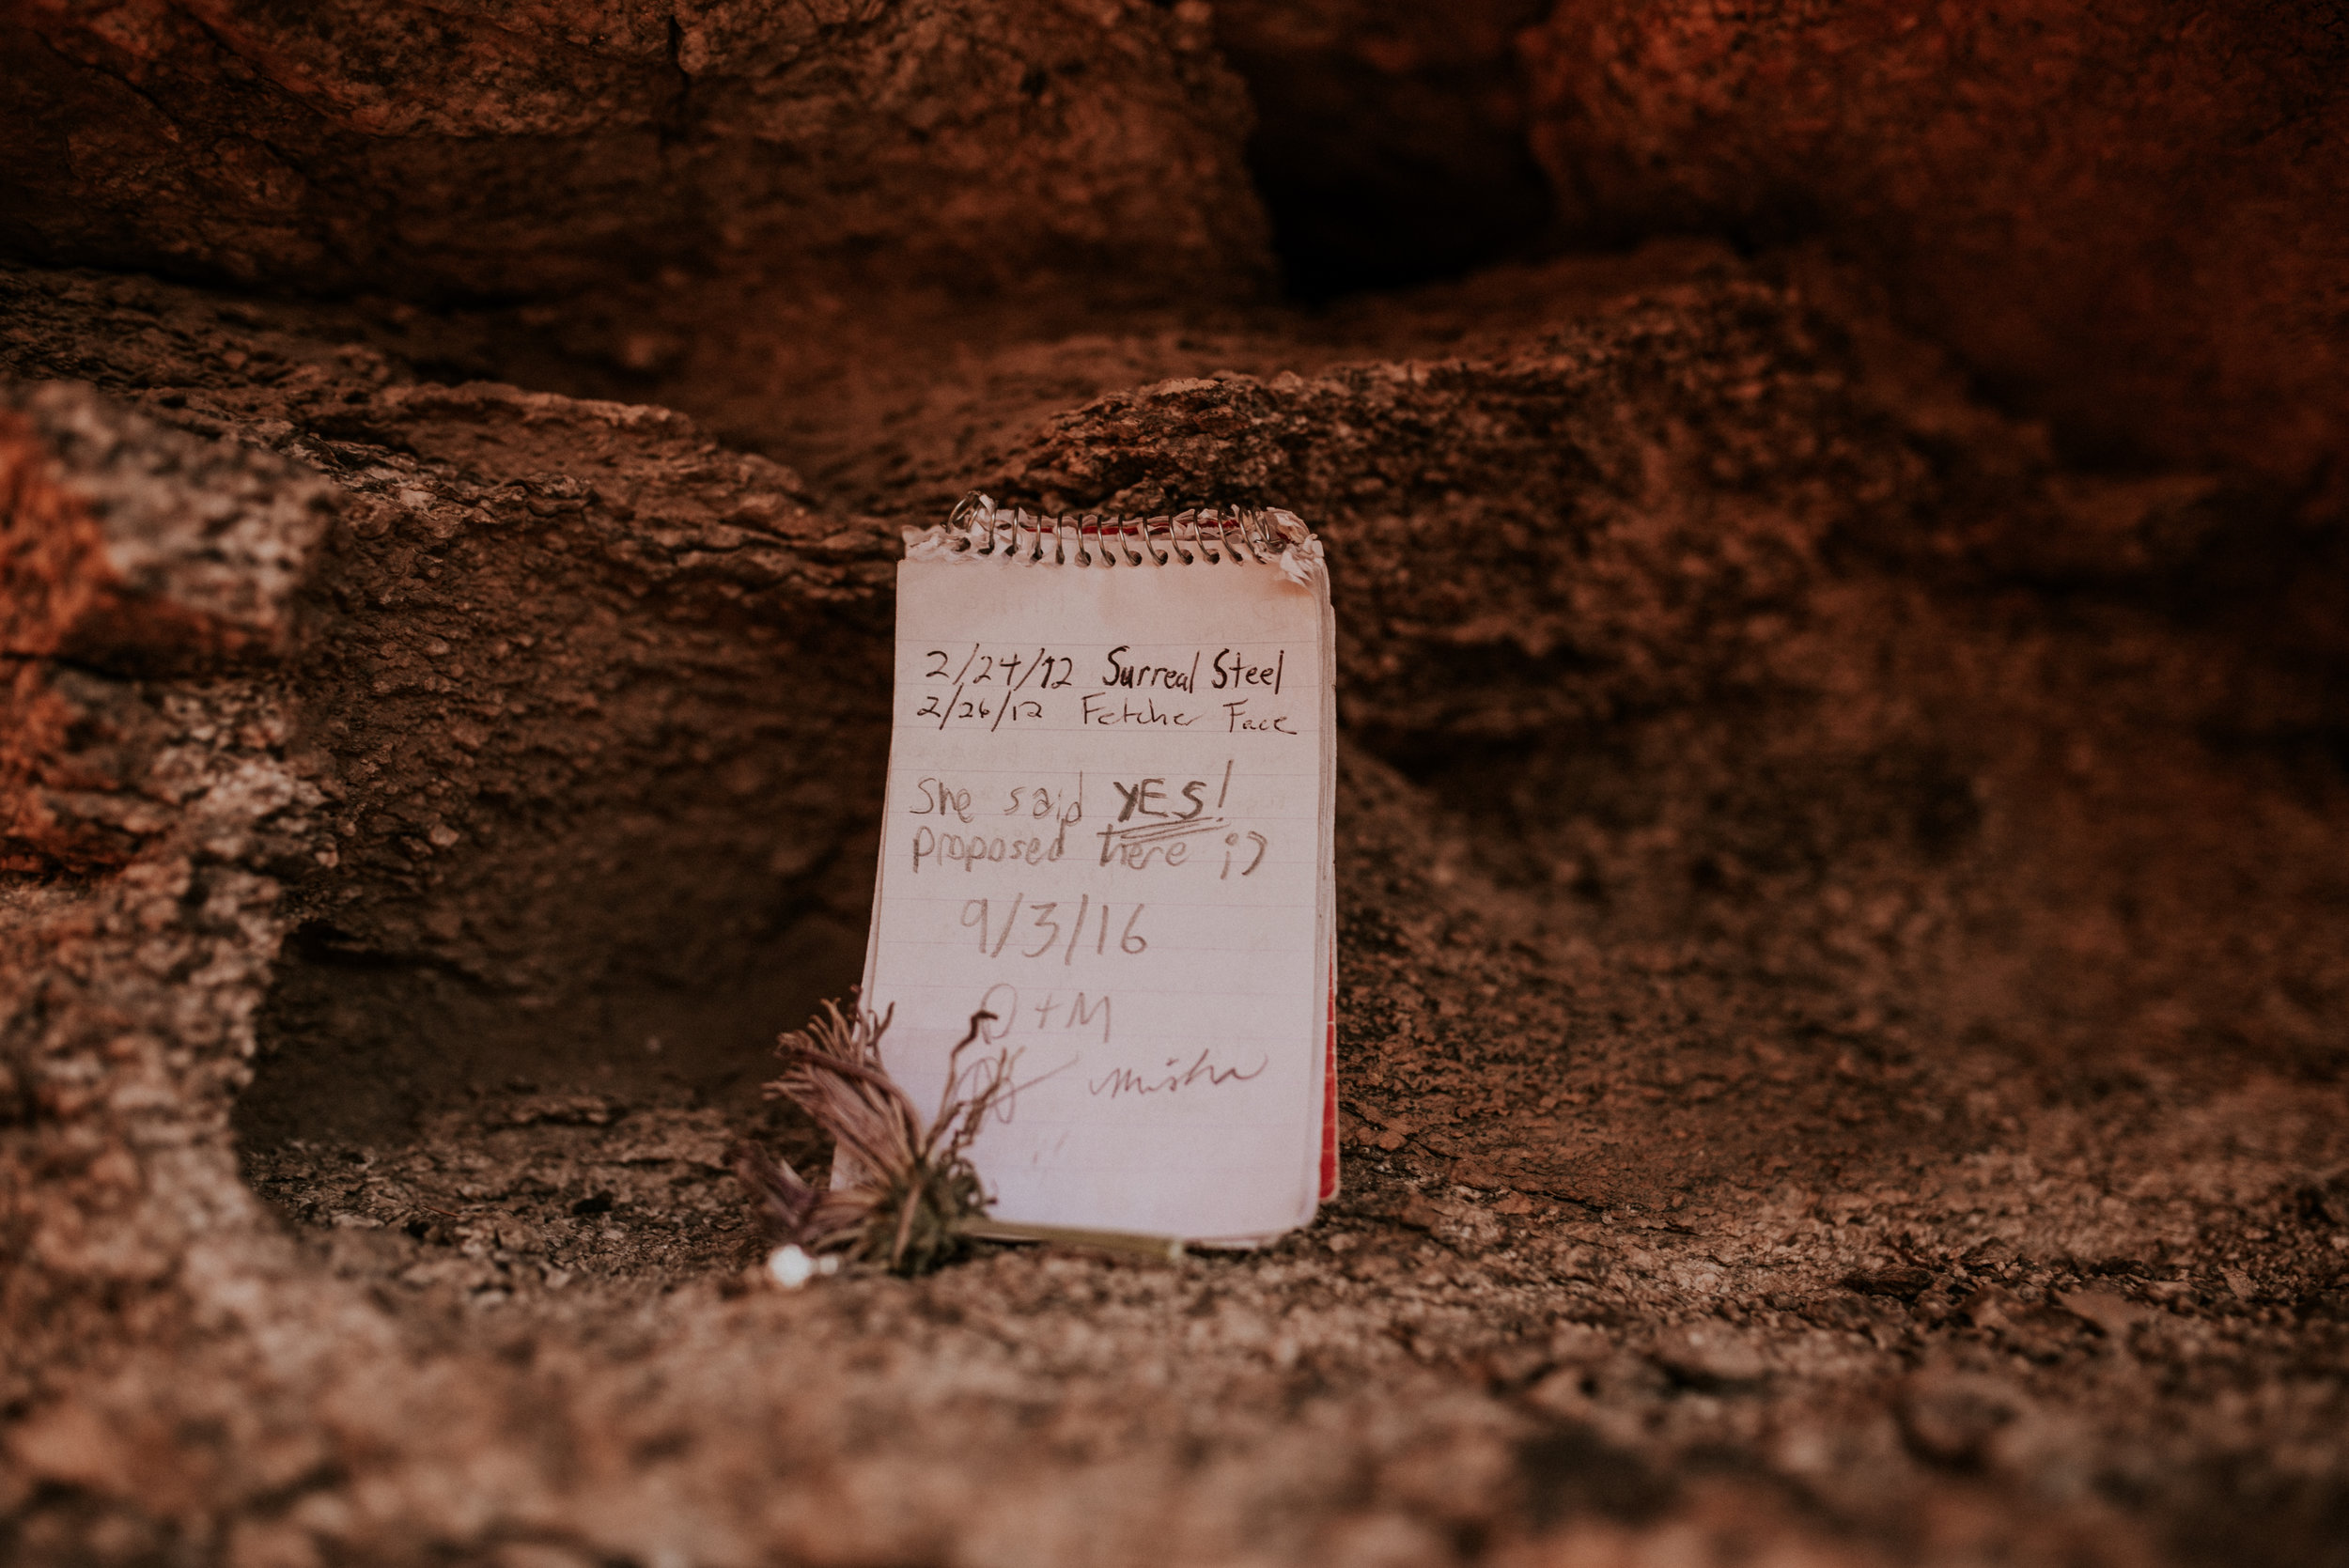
x: 988, y: 687
x: 1005, y: 672
x: 1042, y: 938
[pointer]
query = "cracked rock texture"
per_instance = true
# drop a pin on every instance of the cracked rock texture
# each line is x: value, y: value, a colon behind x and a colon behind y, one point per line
x: 486, y: 151
x: 1840, y: 1056
x: 2129, y: 217
x: 1843, y: 993
x: 2125, y: 218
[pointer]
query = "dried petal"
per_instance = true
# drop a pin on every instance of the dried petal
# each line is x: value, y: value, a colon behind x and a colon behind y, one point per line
x: 901, y: 1190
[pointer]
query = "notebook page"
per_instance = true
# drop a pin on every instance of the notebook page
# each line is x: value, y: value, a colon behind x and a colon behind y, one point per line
x: 1107, y: 822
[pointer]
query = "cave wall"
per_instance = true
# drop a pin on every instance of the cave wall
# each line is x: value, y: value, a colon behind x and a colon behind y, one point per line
x: 1842, y: 996
x: 534, y: 152
x: 2124, y: 218
x: 1730, y: 790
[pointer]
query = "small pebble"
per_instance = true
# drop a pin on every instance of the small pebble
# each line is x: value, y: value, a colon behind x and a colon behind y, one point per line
x: 792, y: 1267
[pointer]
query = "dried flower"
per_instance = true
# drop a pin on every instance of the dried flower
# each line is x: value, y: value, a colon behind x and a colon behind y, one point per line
x: 903, y: 1192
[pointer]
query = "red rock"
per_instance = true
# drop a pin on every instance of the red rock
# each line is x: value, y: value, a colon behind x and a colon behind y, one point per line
x: 483, y: 150
x: 2127, y: 217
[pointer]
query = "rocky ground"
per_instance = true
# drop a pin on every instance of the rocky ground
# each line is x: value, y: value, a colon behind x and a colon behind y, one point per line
x: 1843, y: 999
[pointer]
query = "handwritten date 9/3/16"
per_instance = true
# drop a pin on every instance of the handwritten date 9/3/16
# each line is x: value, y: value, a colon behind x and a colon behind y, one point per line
x: 1042, y: 938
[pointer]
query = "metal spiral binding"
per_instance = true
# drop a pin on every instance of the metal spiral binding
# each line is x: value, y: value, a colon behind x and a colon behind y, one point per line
x: 1199, y: 535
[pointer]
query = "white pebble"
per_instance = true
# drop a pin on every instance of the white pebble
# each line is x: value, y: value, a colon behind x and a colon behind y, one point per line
x: 790, y: 1266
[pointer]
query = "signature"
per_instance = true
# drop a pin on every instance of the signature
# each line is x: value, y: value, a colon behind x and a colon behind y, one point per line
x: 1202, y: 1073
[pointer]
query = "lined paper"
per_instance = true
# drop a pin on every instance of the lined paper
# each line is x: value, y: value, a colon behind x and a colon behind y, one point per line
x: 1108, y: 822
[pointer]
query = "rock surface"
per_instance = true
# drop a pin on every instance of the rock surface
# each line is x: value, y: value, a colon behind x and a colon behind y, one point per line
x: 1841, y: 1018
x: 2123, y: 218
x: 2128, y: 218
x: 1391, y: 141
x: 485, y: 152
x: 1842, y: 986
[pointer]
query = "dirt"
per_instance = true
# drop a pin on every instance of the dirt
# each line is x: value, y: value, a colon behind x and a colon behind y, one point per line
x: 1842, y: 989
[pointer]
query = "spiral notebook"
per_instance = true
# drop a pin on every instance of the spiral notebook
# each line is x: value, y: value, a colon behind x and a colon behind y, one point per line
x: 1108, y: 823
